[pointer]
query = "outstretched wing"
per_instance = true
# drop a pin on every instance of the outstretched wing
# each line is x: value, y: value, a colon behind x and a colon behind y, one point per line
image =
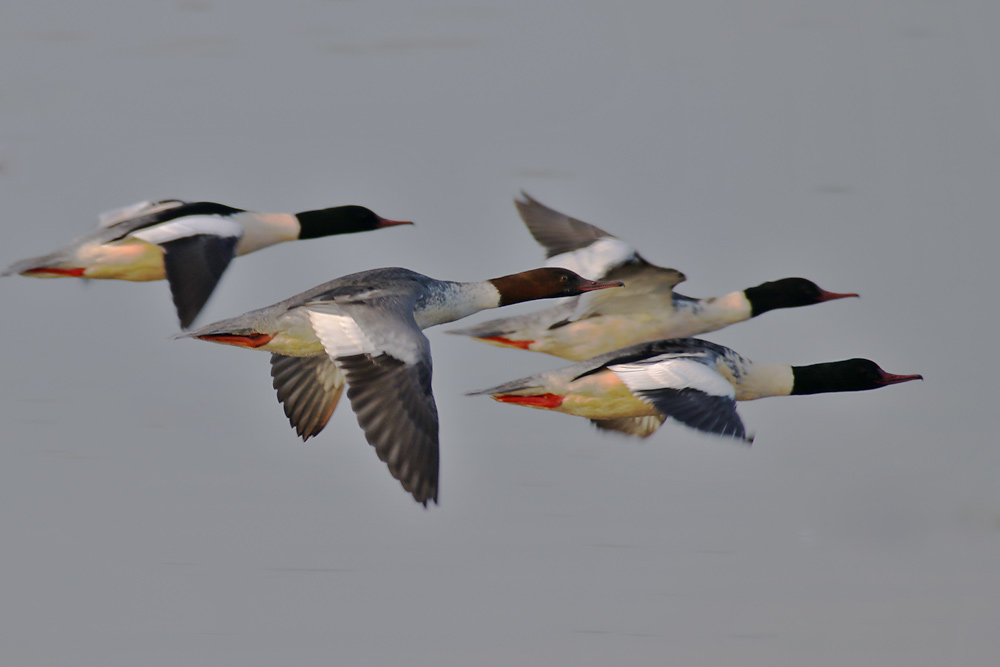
x: 577, y: 245
x: 556, y: 232
x: 386, y: 361
x: 396, y: 410
x: 687, y: 388
x: 308, y: 389
x: 197, y: 250
x: 194, y: 265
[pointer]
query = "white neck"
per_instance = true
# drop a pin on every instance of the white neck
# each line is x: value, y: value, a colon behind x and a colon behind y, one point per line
x: 453, y: 301
x: 714, y: 312
x: 763, y: 380
x: 261, y: 230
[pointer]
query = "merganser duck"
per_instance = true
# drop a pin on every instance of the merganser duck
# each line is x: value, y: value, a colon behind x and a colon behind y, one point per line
x: 365, y: 328
x: 646, y: 309
x: 188, y: 243
x: 635, y: 389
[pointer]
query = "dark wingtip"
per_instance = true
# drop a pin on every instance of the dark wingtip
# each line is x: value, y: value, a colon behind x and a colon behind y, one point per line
x: 426, y: 499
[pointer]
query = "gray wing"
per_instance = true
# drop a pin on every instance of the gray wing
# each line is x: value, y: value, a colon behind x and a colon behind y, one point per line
x: 395, y: 408
x: 525, y: 323
x: 556, y: 232
x: 141, y: 209
x: 194, y: 265
x: 698, y: 409
x: 647, y: 288
x: 308, y: 389
x: 386, y: 360
x: 642, y: 427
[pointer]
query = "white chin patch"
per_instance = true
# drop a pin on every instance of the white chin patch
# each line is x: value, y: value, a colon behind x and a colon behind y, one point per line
x: 594, y: 261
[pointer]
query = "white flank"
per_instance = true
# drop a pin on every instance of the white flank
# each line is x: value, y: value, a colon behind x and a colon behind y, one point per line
x: 594, y: 261
x: 673, y: 372
x: 114, y: 216
x: 340, y: 335
x: 763, y: 380
x: 191, y: 225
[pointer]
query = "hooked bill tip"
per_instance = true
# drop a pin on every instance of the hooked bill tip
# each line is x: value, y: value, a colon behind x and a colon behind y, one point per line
x: 832, y: 296
x: 892, y: 378
x: 385, y: 222
x: 598, y: 284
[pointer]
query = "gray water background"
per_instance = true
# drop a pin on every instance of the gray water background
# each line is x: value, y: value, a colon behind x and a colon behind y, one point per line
x: 156, y: 509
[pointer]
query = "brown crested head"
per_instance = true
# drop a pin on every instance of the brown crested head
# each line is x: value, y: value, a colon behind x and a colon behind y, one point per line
x: 848, y: 375
x: 546, y: 283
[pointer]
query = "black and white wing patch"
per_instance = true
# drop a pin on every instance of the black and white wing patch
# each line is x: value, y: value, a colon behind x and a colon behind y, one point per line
x: 308, y: 389
x: 556, y: 232
x: 197, y: 250
x: 686, y: 388
x: 573, y: 244
x: 194, y: 265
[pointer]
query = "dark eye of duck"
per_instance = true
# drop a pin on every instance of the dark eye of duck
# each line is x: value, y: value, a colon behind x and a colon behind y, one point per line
x: 564, y: 278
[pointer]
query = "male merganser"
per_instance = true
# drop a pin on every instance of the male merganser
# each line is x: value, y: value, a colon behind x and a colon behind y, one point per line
x: 367, y: 326
x: 646, y: 309
x: 188, y: 243
x: 635, y: 389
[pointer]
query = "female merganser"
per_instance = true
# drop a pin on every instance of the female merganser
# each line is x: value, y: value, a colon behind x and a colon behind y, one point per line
x: 367, y: 326
x: 188, y: 243
x: 635, y: 389
x: 646, y: 309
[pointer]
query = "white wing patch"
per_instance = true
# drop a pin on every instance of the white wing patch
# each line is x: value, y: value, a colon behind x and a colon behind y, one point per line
x: 673, y: 372
x: 594, y: 261
x: 340, y: 335
x: 191, y: 225
x: 114, y: 216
